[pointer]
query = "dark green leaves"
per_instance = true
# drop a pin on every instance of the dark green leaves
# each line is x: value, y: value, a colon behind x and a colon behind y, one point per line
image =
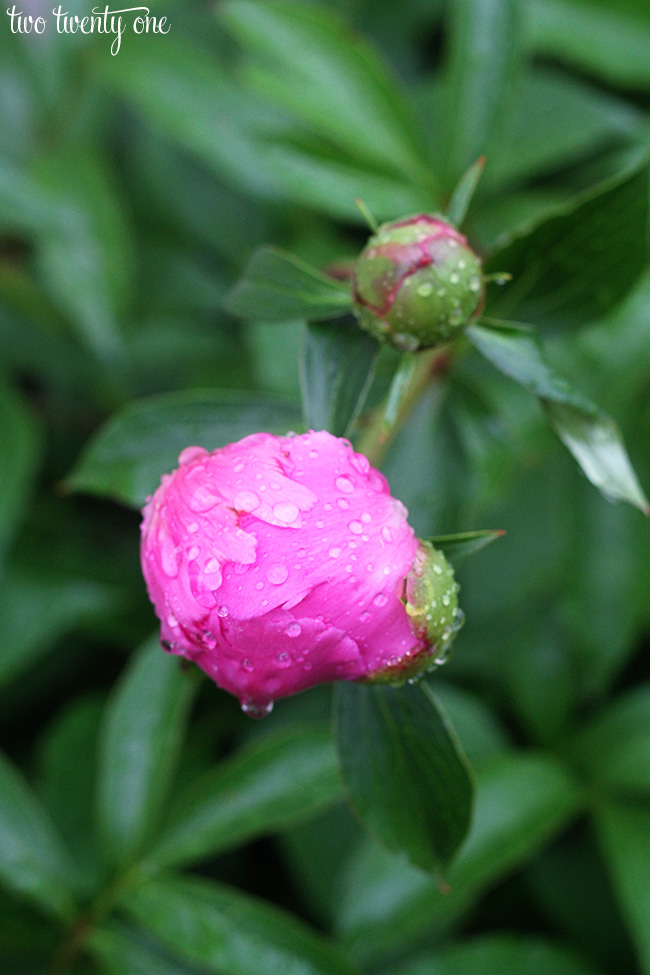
x: 592, y: 438
x: 277, y: 286
x: 305, y: 60
x: 230, y: 933
x: 406, y: 774
x: 464, y: 543
x: 32, y: 859
x: 274, y: 783
x: 337, y: 366
x: 127, y: 457
x: 141, y: 737
x: 574, y: 266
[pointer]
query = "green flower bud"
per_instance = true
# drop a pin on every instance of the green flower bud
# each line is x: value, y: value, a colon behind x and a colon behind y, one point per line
x: 417, y: 284
x: 431, y: 600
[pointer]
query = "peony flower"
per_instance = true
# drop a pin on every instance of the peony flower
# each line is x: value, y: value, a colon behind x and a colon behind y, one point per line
x: 417, y: 283
x: 278, y: 563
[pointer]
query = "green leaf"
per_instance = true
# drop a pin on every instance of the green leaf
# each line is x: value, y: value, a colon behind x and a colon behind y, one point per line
x: 609, y: 40
x: 578, y: 263
x: 189, y: 99
x: 308, y: 62
x: 481, y: 62
x: 624, y: 835
x: 499, y: 954
x: 613, y: 750
x: 37, y: 610
x: 68, y: 787
x: 19, y: 455
x: 277, y: 287
x: 85, y: 259
x: 274, y: 783
x: 595, y: 442
x: 122, y: 949
x: 33, y: 861
x: 126, y: 458
x: 231, y: 933
x: 462, y: 196
x: 522, y: 800
x: 592, y: 438
x: 139, y: 746
x: 406, y: 774
x: 337, y: 367
x: 465, y: 543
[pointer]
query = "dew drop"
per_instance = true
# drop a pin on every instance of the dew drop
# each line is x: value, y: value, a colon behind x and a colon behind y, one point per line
x: 283, y: 659
x: 365, y: 616
x: 343, y: 503
x: 344, y: 484
x: 222, y: 612
x: 366, y: 518
x: 211, y: 566
x: 256, y: 709
x: 259, y: 585
x: 293, y: 630
x: 277, y: 574
x: 193, y: 527
x: 334, y: 553
x: 474, y: 284
x: 286, y: 511
x: 238, y: 468
x: 387, y: 533
x: 171, y: 620
x: 424, y: 290
x: 247, y: 665
x: 454, y: 278
x: 380, y: 599
x: 355, y: 527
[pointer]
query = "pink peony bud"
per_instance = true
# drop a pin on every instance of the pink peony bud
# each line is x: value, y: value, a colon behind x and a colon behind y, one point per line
x: 417, y: 283
x: 277, y: 563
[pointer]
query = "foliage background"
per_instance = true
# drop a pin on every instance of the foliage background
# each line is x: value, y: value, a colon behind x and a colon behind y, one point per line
x: 133, y: 189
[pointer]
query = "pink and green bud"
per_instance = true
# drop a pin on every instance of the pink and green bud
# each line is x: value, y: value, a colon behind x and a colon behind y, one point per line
x: 417, y: 283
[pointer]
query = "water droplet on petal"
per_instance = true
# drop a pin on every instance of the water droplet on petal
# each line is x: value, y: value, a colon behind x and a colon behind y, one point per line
x: 355, y: 527
x: 256, y: 709
x: 283, y: 659
x: 222, y: 612
x: 343, y: 503
x: 211, y: 566
x: 366, y: 518
x: 387, y: 533
x: 293, y: 630
x: 334, y: 553
x: 380, y: 599
x: 365, y: 616
x: 171, y: 620
x: 286, y: 511
x: 247, y: 665
x: 424, y: 290
x: 344, y: 484
x: 277, y: 574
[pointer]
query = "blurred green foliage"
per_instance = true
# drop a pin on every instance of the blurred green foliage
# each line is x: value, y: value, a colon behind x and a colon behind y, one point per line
x: 134, y: 189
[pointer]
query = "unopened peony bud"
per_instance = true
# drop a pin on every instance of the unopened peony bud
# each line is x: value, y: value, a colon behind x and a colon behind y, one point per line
x: 417, y: 283
x: 277, y: 563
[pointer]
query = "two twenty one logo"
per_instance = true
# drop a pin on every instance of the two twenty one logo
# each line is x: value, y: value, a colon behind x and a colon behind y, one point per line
x: 105, y: 21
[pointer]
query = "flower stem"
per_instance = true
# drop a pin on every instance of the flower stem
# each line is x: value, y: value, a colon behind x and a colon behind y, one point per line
x: 414, y: 375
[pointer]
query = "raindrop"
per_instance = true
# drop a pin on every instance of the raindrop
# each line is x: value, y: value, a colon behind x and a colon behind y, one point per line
x: 334, y: 553
x: 259, y: 585
x: 380, y: 599
x: 283, y: 659
x: 238, y: 468
x: 366, y: 518
x: 211, y: 567
x: 355, y: 527
x: 474, y: 284
x: 286, y: 511
x: 293, y: 630
x: 191, y: 453
x: 171, y: 620
x: 343, y: 503
x: 344, y: 484
x: 365, y: 616
x: 387, y: 533
x: 424, y: 290
x: 277, y: 574
x: 222, y: 612
x: 247, y: 665
x: 256, y: 709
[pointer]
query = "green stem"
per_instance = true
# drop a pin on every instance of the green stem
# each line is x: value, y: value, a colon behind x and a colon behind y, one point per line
x: 416, y: 373
x: 74, y: 943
